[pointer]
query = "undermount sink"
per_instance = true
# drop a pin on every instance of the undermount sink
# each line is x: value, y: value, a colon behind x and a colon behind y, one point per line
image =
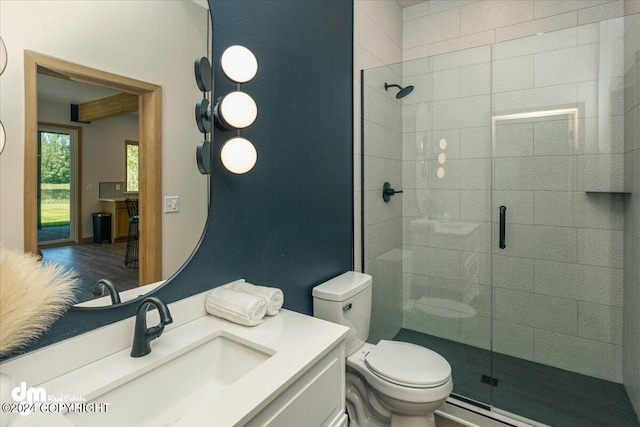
x: 165, y: 393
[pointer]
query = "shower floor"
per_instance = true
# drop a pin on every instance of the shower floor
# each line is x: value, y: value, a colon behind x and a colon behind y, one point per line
x: 549, y: 395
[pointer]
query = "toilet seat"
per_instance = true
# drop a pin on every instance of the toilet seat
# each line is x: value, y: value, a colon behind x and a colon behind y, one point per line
x: 408, y: 365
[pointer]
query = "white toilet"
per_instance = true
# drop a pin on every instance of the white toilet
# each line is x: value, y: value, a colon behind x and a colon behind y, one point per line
x: 391, y: 383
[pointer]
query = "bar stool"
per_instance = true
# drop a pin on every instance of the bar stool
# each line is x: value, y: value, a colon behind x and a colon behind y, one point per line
x: 131, y: 254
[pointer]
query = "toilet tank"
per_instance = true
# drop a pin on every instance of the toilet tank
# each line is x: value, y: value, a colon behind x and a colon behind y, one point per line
x: 346, y: 299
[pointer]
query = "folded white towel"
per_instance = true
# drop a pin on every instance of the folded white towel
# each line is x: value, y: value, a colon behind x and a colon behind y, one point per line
x: 273, y: 296
x: 239, y: 307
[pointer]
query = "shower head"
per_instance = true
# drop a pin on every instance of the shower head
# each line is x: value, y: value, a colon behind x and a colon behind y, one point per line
x: 404, y: 91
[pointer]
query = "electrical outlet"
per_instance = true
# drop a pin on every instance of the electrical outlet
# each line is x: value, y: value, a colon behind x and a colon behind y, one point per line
x: 117, y: 187
x: 171, y: 204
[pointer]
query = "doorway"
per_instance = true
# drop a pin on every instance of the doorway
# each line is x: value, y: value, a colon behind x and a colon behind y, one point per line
x: 57, y: 185
x: 150, y: 145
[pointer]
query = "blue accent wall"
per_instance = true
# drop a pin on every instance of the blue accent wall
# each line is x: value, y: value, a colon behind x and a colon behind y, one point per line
x: 288, y: 222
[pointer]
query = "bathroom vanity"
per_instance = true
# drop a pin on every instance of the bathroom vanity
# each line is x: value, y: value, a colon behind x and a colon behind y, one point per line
x: 202, y: 371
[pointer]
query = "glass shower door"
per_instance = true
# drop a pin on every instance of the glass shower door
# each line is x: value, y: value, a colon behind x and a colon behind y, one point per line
x: 429, y: 247
x: 558, y: 226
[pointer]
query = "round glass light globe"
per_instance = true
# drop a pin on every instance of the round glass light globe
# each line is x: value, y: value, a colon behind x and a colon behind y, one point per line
x: 440, y: 173
x: 238, y: 155
x: 443, y: 144
x: 238, y: 109
x: 3, y: 56
x: 239, y: 64
x: 2, y: 137
x: 442, y: 158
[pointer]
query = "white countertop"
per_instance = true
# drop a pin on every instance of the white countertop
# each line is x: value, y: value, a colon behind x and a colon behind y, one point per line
x: 297, y: 341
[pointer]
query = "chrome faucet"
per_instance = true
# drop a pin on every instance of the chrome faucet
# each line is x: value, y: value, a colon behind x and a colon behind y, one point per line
x: 102, y: 285
x: 142, y: 336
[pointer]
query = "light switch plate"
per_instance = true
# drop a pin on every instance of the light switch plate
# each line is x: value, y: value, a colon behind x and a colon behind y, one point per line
x: 171, y: 204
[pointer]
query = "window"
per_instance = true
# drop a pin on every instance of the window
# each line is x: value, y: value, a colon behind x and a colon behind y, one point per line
x: 132, y: 164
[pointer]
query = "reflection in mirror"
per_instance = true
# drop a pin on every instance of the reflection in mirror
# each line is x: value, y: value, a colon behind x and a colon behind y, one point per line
x: 125, y: 41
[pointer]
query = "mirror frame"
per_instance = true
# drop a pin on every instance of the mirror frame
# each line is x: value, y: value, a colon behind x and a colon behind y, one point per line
x: 150, y: 143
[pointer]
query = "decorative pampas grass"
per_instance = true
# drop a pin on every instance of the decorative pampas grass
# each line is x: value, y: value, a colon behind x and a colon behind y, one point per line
x: 32, y: 297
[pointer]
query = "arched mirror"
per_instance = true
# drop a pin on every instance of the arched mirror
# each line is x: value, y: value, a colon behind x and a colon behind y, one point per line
x: 111, y: 185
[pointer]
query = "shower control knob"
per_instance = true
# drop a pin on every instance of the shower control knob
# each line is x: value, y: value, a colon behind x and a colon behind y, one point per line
x: 387, y: 192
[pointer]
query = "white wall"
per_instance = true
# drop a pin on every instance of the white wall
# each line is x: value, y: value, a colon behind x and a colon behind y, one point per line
x: 153, y: 41
x: 103, y: 154
x: 631, y: 359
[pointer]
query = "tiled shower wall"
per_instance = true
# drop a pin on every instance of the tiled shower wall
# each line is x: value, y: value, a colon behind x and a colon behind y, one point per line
x: 558, y: 285
x: 632, y: 205
x: 378, y: 42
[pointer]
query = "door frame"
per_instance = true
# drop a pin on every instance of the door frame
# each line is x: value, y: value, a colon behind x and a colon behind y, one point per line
x: 150, y: 140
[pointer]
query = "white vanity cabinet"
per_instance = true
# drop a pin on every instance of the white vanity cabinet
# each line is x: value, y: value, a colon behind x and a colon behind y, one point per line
x: 317, y: 398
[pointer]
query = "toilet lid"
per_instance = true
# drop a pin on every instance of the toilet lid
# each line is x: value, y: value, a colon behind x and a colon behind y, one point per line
x: 408, y: 364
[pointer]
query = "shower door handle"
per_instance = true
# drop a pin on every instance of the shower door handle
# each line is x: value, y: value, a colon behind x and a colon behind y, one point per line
x: 503, y: 228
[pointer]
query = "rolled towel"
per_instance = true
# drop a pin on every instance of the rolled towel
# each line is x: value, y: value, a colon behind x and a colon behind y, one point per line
x: 239, y: 307
x: 273, y: 296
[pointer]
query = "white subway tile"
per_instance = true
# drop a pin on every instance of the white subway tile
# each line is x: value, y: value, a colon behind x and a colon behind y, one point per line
x: 446, y: 84
x: 600, y: 360
x: 475, y: 267
x: 547, y: 98
x: 386, y: 15
x: 600, y: 247
x: 488, y: 15
x: 571, y: 65
x: 435, y: 262
x: 475, y: 142
x: 458, y: 59
x: 601, y: 172
x: 513, y: 139
x: 423, y: 86
x: 600, y: 322
x: 416, y: 11
x: 513, y: 273
x: 530, y: 28
x: 605, y: 11
x: 519, y: 206
x: 378, y: 170
x: 554, y: 7
x: 436, y: 6
x: 475, y: 205
x: 581, y: 282
x: 554, y: 137
x: 554, y: 208
x: 430, y: 29
x: 556, y: 243
x: 476, y: 331
x: 415, y: 231
x: 537, y: 311
x: 415, y: 53
x: 553, y: 173
x: 462, y: 174
x: 466, y: 236
x: 601, y: 135
x: 375, y: 210
x: 513, y: 339
x: 382, y: 141
x: 536, y: 44
x: 461, y: 44
x: 475, y: 80
x: 513, y: 74
x: 382, y: 237
x: 519, y: 241
x: 472, y: 111
x: 374, y: 39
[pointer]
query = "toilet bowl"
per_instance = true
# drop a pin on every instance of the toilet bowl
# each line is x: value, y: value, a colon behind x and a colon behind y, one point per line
x: 391, y: 383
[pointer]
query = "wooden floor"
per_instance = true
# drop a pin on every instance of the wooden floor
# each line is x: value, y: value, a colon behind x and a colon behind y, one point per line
x: 93, y: 262
x: 542, y: 393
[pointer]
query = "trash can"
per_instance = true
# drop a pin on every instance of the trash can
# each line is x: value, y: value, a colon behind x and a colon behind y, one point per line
x: 101, y: 227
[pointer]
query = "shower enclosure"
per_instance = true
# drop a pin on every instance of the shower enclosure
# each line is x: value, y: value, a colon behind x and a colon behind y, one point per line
x: 494, y: 195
